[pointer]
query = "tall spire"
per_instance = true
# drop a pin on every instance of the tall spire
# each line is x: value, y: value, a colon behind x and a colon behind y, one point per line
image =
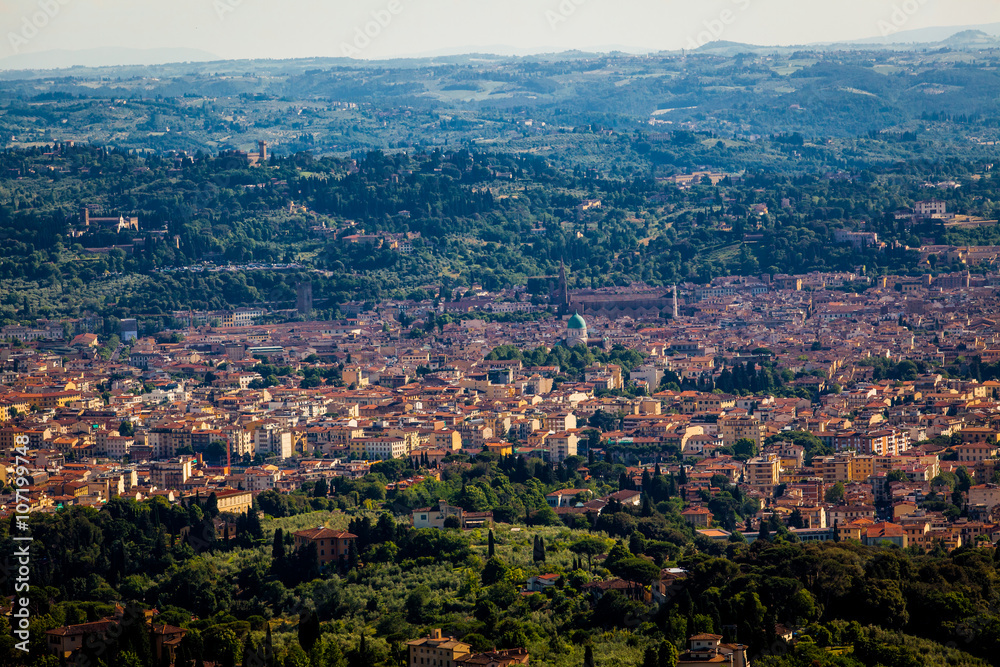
x: 563, y: 288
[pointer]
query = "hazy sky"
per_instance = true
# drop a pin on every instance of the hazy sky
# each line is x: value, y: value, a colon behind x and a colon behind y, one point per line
x: 300, y: 28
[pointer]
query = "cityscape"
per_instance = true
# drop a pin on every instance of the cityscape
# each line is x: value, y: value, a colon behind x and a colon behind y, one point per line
x: 579, y: 357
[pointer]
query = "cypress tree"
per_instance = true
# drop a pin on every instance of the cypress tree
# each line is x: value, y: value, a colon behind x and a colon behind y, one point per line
x: 667, y: 655
x: 352, y: 555
x: 248, y: 650
x: 491, y: 547
x: 309, y: 632
x: 278, y: 548
x: 764, y: 534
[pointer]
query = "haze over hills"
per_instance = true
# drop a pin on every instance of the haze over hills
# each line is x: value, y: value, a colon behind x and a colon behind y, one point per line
x: 925, y: 35
x: 957, y: 37
x: 107, y: 56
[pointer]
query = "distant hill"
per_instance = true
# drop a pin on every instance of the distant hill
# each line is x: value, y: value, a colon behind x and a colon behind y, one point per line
x: 102, y: 57
x: 980, y: 37
x: 36, y: 64
x: 928, y: 35
x: 723, y: 45
x: 968, y: 38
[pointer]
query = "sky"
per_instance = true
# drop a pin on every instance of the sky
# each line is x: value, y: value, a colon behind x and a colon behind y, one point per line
x: 393, y: 28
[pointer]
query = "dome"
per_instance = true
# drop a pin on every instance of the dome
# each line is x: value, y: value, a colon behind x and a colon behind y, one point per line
x: 576, y: 322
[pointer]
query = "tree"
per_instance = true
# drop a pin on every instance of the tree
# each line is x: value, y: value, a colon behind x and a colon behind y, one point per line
x: 309, y: 632
x: 222, y: 644
x: 330, y: 654
x: 215, y: 451
x: 764, y: 534
x: 353, y: 557
x: 254, y: 528
x: 744, y: 449
x: 589, y: 547
x: 538, y: 549
x: 637, y: 543
x: 835, y: 494
x: 361, y: 656
x: 321, y: 489
x: 295, y: 657
x: 278, y: 547
x: 895, y: 476
x: 416, y: 602
x: 126, y: 429
x: 667, y: 655
x: 638, y: 570
x: 490, y: 545
x: 495, y: 570
x: 588, y: 656
x: 212, y: 505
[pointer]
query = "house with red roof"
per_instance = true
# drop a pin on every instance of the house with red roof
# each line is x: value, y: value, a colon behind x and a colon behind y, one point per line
x: 884, y: 531
x: 331, y: 545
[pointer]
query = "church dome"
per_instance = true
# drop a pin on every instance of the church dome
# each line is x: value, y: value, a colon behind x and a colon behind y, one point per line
x: 576, y: 322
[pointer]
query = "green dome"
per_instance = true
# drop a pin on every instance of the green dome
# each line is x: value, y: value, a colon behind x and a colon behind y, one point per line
x: 576, y: 322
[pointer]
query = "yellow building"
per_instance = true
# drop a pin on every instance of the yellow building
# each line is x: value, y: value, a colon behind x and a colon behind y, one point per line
x: 12, y: 437
x: 234, y: 501
x: 838, y: 468
x: 862, y: 467
x: 49, y: 400
x: 436, y: 650
x: 500, y: 447
x: 447, y: 439
x: 762, y: 473
x: 739, y: 427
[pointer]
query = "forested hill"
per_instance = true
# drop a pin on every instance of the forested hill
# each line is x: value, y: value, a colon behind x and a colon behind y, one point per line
x: 468, y: 217
x: 929, y: 104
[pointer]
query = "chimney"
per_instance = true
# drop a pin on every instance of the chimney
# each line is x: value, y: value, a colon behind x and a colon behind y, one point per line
x: 740, y: 656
